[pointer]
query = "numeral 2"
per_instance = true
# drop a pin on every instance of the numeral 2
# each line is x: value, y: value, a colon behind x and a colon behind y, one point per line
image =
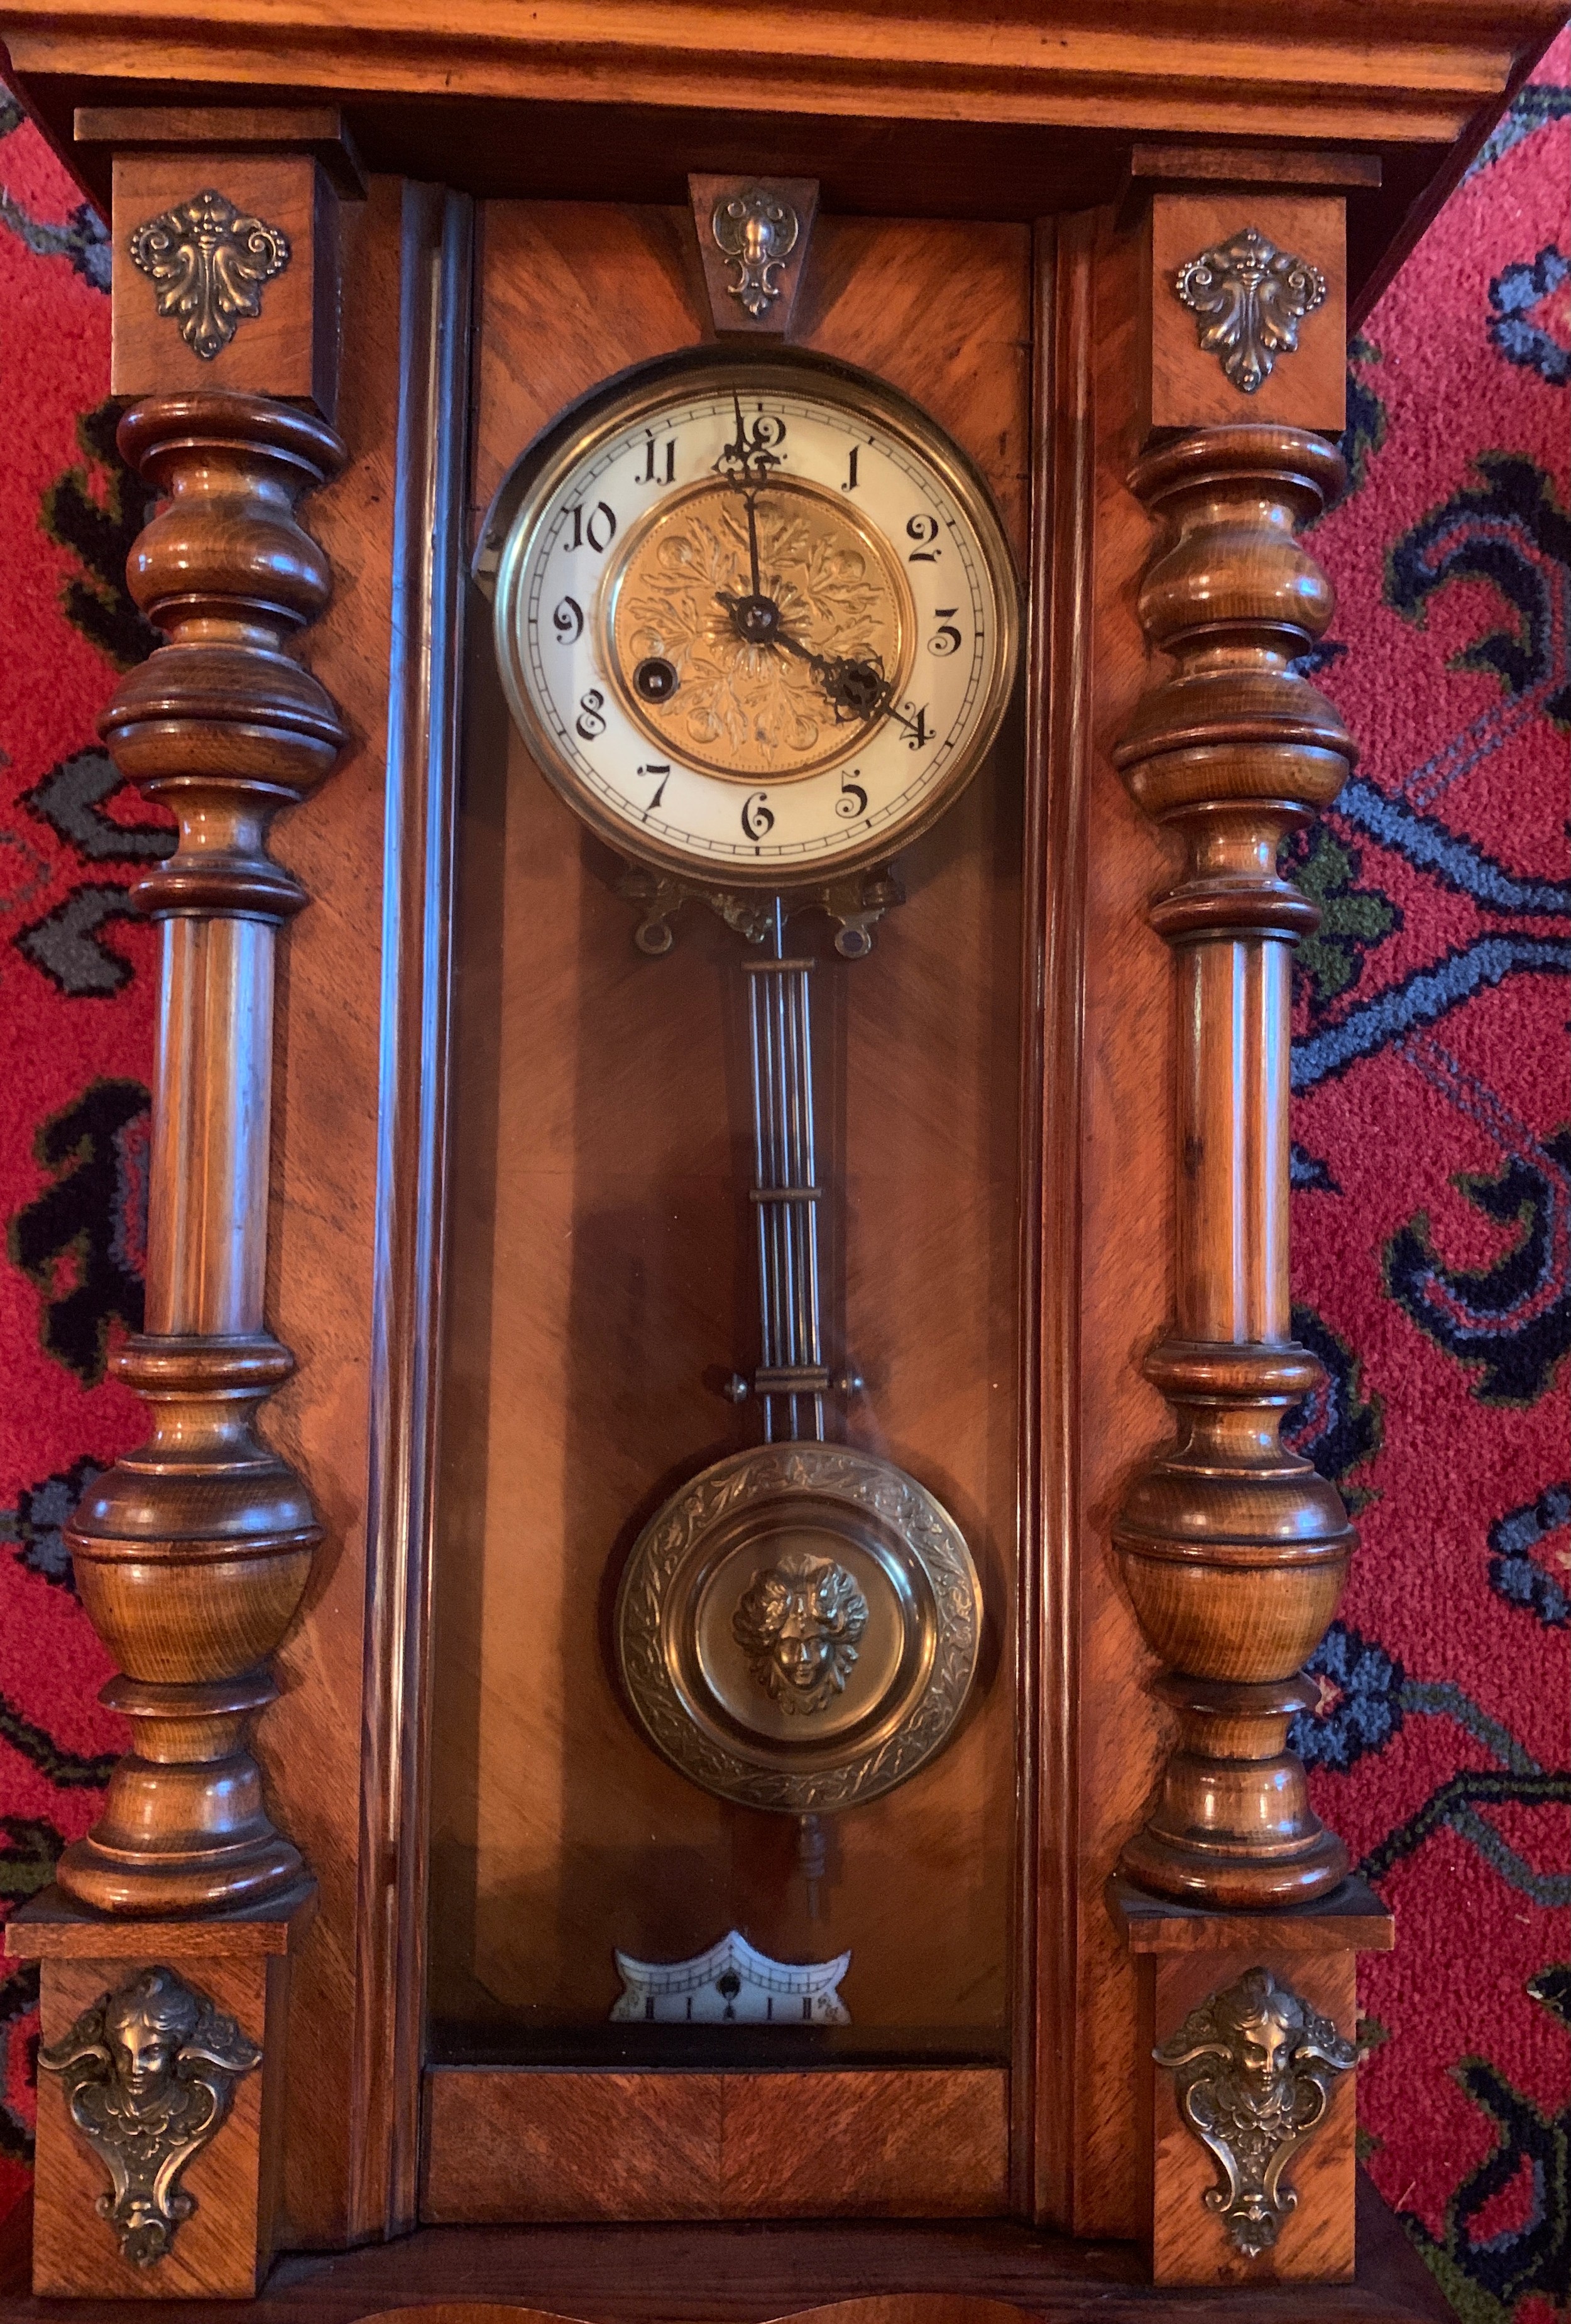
x: 924, y: 531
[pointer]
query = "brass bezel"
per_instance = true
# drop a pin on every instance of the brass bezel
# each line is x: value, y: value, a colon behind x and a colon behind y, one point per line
x: 535, y: 481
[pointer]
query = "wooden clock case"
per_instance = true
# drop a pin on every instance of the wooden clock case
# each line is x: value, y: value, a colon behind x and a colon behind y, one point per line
x: 483, y: 221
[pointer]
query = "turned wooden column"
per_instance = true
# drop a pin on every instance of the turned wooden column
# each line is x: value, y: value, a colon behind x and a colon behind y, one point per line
x: 193, y: 1553
x: 1234, y: 1549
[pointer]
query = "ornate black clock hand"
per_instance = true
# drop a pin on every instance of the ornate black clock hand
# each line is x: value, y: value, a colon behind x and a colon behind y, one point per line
x: 747, y: 461
x: 856, y: 689
x: 752, y: 499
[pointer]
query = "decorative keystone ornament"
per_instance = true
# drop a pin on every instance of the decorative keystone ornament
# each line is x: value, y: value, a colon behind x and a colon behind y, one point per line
x: 1249, y: 298
x: 149, y: 2073
x: 757, y: 231
x: 1254, y: 2066
x: 207, y: 264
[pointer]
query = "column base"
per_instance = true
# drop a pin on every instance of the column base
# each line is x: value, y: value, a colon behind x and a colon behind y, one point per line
x: 158, y: 2092
x: 1254, y: 2183
x: 1233, y: 1828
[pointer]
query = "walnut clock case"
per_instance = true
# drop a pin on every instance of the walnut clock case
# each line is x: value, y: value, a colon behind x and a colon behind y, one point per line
x: 711, y: 1609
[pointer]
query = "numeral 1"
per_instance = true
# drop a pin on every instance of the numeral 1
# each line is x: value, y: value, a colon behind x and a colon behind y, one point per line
x: 850, y: 483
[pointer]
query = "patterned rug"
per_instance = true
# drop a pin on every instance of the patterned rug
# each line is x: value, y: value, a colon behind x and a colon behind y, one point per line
x: 1432, y: 1161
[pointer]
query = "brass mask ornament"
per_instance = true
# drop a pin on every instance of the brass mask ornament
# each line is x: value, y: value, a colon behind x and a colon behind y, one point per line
x: 148, y: 2074
x: 208, y: 264
x: 1254, y: 2066
x: 798, y: 1624
x: 1249, y: 298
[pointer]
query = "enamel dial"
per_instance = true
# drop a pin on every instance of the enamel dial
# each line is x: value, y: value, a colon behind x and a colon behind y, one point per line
x: 756, y: 621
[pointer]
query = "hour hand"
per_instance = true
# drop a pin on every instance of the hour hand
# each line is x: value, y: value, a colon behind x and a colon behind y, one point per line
x: 856, y: 688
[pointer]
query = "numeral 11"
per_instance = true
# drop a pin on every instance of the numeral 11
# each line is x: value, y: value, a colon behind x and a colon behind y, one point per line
x: 649, y: 475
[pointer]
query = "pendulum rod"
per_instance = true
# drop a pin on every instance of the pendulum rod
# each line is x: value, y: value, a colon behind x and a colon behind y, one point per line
x: 785, y: 1193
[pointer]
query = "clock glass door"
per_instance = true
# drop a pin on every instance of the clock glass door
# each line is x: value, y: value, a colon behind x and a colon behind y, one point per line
x: 725, y: 1707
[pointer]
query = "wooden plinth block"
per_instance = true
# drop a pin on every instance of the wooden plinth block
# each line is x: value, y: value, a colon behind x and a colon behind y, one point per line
x: 1244, y: 308
x: 225, y: 234
x: 1248, y: 2023
x: 159, y: 2084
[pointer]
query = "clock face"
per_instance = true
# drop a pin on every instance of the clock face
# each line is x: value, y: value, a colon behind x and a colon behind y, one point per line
x: 756, y: 621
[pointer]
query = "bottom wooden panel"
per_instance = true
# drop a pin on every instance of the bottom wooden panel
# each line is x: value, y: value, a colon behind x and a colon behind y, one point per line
x: 518, y: 2143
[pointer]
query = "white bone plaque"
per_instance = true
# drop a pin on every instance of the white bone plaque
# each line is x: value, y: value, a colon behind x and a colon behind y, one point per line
x: 731, y: 1985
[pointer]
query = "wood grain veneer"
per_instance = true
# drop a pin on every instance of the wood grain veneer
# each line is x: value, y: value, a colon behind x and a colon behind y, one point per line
x: 540, y: 2145
x: 324, y: 1174
x: 1413, y: 77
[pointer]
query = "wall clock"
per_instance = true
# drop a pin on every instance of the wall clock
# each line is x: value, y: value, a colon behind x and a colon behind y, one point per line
x: 755, y: 618
x: 758, y: 622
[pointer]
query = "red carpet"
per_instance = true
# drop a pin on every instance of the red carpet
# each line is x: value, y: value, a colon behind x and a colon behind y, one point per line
x: 1432, y: 1158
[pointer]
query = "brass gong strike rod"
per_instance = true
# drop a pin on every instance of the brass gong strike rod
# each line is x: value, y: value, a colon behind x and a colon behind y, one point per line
x: 785, y: 1193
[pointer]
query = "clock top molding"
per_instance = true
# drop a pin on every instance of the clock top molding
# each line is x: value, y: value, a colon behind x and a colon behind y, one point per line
x: 976, y: 108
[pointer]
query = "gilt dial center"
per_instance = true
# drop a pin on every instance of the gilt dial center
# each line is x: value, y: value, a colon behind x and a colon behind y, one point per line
x: 785, y: 617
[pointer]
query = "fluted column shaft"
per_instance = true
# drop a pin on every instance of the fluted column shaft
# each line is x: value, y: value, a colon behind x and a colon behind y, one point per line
x: 193, y: 1552
x: 1234, y: 1549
